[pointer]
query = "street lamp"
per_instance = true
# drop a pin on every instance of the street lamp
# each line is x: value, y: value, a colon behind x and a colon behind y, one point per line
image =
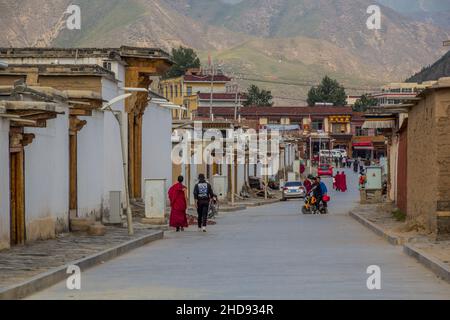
x: 118, y: 116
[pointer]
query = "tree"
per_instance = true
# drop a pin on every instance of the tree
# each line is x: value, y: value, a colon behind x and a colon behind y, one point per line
x: 363, y: 103
x: 257, y: 97
x: 329, y: 91
x: 184, y: 59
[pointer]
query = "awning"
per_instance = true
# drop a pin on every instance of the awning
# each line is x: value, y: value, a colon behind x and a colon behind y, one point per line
x: 362, y: 144
x: 379, y: 124
x: 364, y: 148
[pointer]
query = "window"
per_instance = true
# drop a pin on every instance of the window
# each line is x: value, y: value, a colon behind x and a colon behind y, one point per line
x: 317, y: 125
x: 176, y: 90
x: 107, y: 65
x: 361, y: 132
x: 189, y: 91
x: 171, y: 91
x: 338, y: 128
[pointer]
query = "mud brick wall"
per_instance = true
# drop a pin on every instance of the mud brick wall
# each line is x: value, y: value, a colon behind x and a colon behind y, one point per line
x: 428, y: 195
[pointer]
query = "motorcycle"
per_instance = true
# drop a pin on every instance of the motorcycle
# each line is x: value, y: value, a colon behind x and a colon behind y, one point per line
x: 312, y: 206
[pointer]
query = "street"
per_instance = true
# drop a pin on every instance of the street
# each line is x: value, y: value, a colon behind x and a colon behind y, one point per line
x: 269, y: 252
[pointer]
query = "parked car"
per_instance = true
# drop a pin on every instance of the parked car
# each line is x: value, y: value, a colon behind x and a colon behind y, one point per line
x: 325, y: 153
x: 325, y: 170
x: 293, y: 189
x: 342, y: 152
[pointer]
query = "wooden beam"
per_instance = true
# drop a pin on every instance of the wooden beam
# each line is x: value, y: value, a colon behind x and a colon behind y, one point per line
x: 80, y: 112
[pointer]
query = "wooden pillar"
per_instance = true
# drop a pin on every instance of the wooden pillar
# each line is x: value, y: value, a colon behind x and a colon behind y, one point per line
x: 73, y: 175
x: 75, y: 125
x: 137, y: 177
x: 131, y: 153
x: 17, y: 141
x: 17, y: 185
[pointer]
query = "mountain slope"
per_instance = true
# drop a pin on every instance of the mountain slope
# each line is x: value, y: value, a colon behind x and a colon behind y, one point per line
x: 274, y: 41
x: 439, y: 69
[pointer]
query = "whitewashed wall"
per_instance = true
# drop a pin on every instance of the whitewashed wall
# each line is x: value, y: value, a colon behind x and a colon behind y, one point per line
x: 156, y: 144
x: 112, y: 156
x: 91, y: 166
x: 4, y: 184
x: 47, y: 180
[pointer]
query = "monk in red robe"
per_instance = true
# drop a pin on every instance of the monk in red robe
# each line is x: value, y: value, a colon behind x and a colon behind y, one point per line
x: 178, y: 204
x: 343, y: 182
x: 336, y: 181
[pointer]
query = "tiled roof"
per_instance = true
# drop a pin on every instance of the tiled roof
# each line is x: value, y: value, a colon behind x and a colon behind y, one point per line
x: 279, y: 111
x: 206, y: 78
x: 220, y: 96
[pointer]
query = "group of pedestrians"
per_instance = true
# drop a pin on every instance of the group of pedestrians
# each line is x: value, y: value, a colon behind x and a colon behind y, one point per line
x: 343, y: 162
x: 340, y: 182
x: 203, y: 194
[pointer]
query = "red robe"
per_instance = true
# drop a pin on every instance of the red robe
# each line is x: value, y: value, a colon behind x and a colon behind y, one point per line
x: 178, y: 205
x: 308, y: 186
x: 337, y: 184
x: 343, y: 182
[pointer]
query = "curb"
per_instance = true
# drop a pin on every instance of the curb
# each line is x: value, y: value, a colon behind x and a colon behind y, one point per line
x: 45, y: 280
x: 440, y: 269
x: 233, y: 209
x: 259, y: 204
x: 393, y: 240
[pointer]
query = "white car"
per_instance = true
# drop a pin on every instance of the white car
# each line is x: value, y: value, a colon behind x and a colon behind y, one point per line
x: 325, y: 154
x: 339, y: 153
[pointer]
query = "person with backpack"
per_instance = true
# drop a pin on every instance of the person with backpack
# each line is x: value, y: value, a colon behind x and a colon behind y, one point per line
x: 203, y: 193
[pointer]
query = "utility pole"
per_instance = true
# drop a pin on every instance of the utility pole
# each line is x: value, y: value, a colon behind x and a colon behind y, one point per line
x: 212, y: 93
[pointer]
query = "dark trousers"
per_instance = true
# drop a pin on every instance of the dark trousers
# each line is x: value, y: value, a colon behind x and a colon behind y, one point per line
x: 202, y: 211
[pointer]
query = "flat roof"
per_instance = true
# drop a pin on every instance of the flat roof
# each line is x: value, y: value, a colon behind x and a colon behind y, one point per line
x: 110, y: 53
x: 59, y: 70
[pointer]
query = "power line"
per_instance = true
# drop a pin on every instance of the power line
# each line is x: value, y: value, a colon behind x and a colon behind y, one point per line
x: 302, y: 84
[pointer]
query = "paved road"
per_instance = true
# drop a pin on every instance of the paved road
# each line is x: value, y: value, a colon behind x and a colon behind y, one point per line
x: 271, y: 252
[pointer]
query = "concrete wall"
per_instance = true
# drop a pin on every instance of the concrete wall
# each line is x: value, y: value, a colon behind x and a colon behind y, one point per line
x: 47, y: 180
x: 156, y: 144
x: 429, y: 163
x: 4, y: 184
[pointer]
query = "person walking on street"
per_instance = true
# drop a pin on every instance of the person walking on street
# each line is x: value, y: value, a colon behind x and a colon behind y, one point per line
x: 178, y: 204
x: 203, y: 194
x: 343, y: 181
x: 336, y: 182
x: 355, y: 165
